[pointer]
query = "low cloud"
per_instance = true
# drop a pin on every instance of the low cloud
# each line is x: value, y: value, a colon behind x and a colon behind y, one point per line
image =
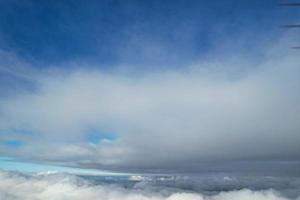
x: 59, y: 186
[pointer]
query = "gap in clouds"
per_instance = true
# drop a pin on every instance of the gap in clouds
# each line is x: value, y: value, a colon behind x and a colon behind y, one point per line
x: 16, y: 165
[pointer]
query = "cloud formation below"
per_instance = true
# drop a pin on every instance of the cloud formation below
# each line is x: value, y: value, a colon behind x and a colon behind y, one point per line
x: 63, y: 186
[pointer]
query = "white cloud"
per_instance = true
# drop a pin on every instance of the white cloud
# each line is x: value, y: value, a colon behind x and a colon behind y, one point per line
x: 44, y: 187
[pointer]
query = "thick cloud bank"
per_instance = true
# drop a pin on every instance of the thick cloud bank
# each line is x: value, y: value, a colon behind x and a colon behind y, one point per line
x: 64, y: 187
x: 218, y: 109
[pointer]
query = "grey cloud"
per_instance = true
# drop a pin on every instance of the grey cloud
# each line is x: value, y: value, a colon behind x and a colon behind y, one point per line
x: 185, y: 117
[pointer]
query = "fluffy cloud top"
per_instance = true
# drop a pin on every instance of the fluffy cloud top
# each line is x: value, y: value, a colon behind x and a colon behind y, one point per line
x: 44, y: 187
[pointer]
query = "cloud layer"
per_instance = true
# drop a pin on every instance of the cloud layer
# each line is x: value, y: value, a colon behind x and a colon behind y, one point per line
x: 16, y: 186
x: 218, y: 109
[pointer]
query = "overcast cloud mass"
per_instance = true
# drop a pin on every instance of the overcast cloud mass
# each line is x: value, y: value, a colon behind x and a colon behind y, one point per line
x: 170, y: 99
x: 174, y: 117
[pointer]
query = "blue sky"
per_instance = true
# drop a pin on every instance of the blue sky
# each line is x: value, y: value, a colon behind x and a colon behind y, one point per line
x: 147, y: 85
x: 114, y: 31
x: 8, y: 163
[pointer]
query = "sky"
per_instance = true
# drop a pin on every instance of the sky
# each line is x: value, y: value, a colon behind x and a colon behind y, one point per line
x: 149, y: 86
